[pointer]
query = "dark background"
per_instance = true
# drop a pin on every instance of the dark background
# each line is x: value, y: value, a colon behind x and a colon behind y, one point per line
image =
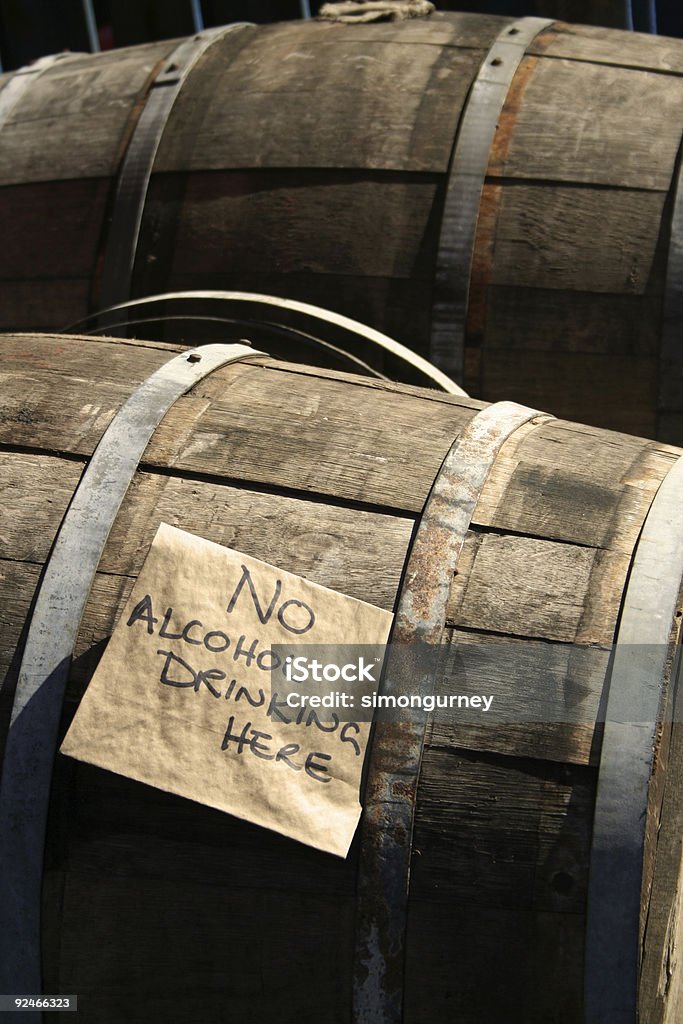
x: 33, y: 28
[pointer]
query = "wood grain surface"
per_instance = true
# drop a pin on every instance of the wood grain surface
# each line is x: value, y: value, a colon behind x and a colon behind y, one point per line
x: 325, y: 474
x: 311, y: 160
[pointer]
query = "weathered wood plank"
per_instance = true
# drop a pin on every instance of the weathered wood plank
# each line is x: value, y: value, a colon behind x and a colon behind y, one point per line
x: 546, y: 698
x: 90, y: 98
x: 671, y: 971
x: 83, y: 358
x: 545, y: 237
x: 29, y: 417
x: 530, y: 320
x: 341, y: 548
x: 231, y: 222
x: 461, y: 29
x: 539, y: 589
x: 55, y: 228
x: 587, y: 391
x: 608, y: 453
x: 18, y: 583
x: 388, y: 387
x: 33, y: 368
x: 316, y: 443
x: 559, y: 511
x: 355, y: 552
x: 46, y: 304
x: 492, y: 831
x: 112, y: 362
x: 34, y: 488
x: 571, y: 508
x: 594, y: 44
x: 605, y: 125
x: 253, y: 109
x: 604, y: 511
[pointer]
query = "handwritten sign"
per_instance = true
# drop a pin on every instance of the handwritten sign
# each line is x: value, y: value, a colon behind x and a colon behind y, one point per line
x: 182, y: 698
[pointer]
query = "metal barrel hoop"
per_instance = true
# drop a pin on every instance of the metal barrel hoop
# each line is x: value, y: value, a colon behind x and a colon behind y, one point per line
x: 396, y: 751
x: 136, y: 171
x: 280, y: 307
x: 67, y: 580
x: 466, y: 178
x: 638, y: 699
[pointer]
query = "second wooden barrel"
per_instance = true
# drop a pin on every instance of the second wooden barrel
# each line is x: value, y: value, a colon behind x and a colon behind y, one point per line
x: 497, y: 194
x: 153, y: 906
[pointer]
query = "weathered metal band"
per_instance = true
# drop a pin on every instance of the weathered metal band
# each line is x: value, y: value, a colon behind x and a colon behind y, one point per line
x: 63, y: 593
x: 22, y: 80
x: 396, y: 754
x: 304, y: 311
x: 670, y: 370
x: 637, y: 688
x: 463, y: 194
x: 135, y: 174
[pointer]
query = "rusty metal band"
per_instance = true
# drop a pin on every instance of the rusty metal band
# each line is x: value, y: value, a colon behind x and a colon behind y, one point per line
x: 22, y: 80
x: 136, y: 171
x: 62, y: 596
x: 670, y: 370
x: 463, y: 192
x: 396, y: 753
x: 638, y: 691
x: 269, y: 306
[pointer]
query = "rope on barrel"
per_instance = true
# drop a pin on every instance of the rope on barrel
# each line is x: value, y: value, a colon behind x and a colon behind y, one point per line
x: 359, y: 12
x: 135, y: 174
x: 638, y: 689
x: 22, y: 80
x: 396, y: 754
x: 62, y: 596
x: 463, y: 193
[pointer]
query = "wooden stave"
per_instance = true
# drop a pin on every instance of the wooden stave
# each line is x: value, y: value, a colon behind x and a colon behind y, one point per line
x: 66, y: 582
x: 439, y: 893
x: 517, y: 314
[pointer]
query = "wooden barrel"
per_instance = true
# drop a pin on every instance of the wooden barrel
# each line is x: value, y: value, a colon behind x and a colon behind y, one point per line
x: 154, y: 906
x: 350, y: 166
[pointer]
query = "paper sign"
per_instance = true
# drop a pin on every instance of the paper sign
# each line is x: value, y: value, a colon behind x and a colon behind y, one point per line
x: 182, y: 697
